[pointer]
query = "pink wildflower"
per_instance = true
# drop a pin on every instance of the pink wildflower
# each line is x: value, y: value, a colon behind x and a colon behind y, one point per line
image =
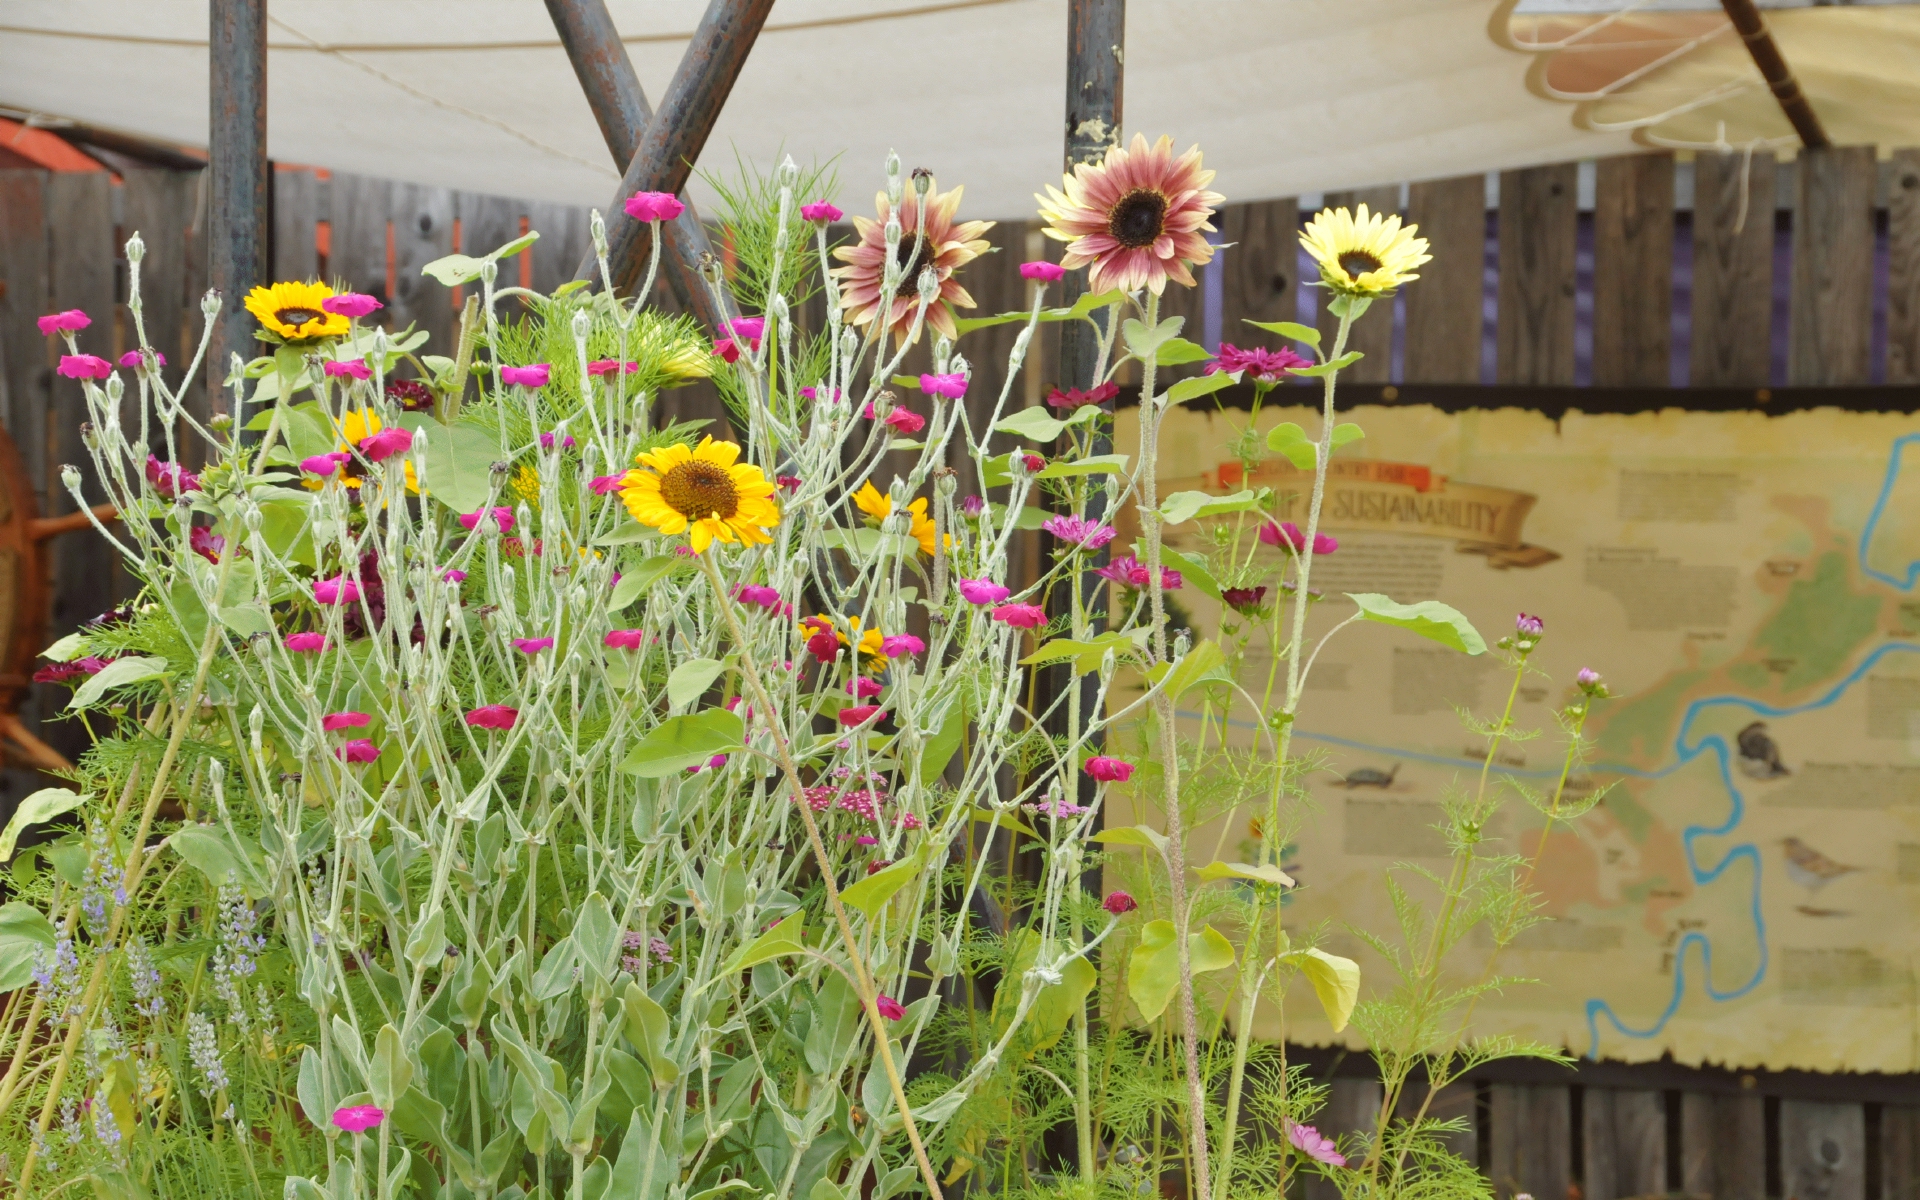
x: 534, y: 376
x: 624, y: 639
x: 1080, y: 532
x: 952, y: 386
x: 351, y: 305
x: 70, y: 321
x: 863, y: 688
x: 453, y: 575
x: 1119, y: 903
x: 1108, y: 770
x: 1286, y: 533
x: 1262, y: 365
x: 359, y: 750
x: 822, y: 211
x: 610, y: 366
x: 1042, y: 272
x: 361, y: 1117
x: 858, y: 714
x: 305, y: 643
x: 135, y: 360
x: 982, y: 591
x: 1021, y: 616
x: 899, y: 645
x: 353, y: 370
x: 747, y: 329
x: 206, y: 543
x: 334, y: 722
x: 654, y: 206
x: 605, y: 485
x: 1131, y: 572
x: 492, y: 716
x: 727, y: 351
x: 338, y: 590
x: 169, y: 479
x: 324, y: 464
x: 1310, y: 1142
x: 532, y: 645
x: 502, y: 519
x: 1075, y: 398
x: 547, y: 440
x: 387, y: 443
x: 85, y: 366
x: 889, y: 1008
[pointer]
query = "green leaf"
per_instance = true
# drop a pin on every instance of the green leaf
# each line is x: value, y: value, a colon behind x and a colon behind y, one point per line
x: 206, y: 851
x: 1098, y: 464
x: 24, y: 934
x: 515, y: 246
x: 1088, y: 655
x: 1030, y: 517
x: 459, y: 462
x: 43, y: 805
x: 392, y: 1068
x: 871, y: 894
x: 454, y: 269
x: 1033, y: 424
x: 1292, y: 441
x: 1430, y: 619
x: 783, y: 939
x: 245, y: 620
x: 647, y: 1028
x: 1200, y: 385
x: 1182, y: 507
x: 1267, y: 873
x: 1335, y: 980
x: 1143, y: 342
x: 596, y: 937
x: 1178, y: 352
x: 118, y: 673
x: 1056, y: 1005
x: 642, y: 577
x: 937, y: 751
x: 1153, y: 969
x: 1327, y: 368
x: 1290, y: 329
x: 1202, y: 664
x: 1134, y: 835
x: 1346, y: 432
x: 691, y: 679
x: 626, y: 534
x: 681, y: 742
x: 1192, y: 568
x: 67, y: 649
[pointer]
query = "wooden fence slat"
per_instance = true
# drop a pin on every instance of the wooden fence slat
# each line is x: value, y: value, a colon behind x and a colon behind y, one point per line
x: 1903, y: 270
x: 296, y: 210
x: 1732, y: 269
x: 1899, y: 1150
x: 1534, y: 323
x: 486, y: 224
x: 994, y: 282
x: 1456, y: 1102
x: 1633, y: 271
x: 1832, y: 303
x: 1723, y: 1146
x: 1352, y: 1107
x: 1626, y: 1143
x: 1372, y: 333
x: 1823, y: 1147
x: 159, y: 206
x: 1445, y: 311
x: 1529, y: 1140
x: 422, y: 232
x: 80, y: 256
x: 28, y: 294
x: 565, y: 238
x: 1261, y: 265
x: 357, y: 245
x: 1187, y: 303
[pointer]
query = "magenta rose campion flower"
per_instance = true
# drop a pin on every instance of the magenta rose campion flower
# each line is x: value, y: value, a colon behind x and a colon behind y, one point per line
x: 746, y: 329
x: 1119, y: 903
x: 85, y: 366
x: 605, y: 485
x: 492, y: 716
x: 858, y: 714
x: 611, y: 366
x: 169, y: 479
x: 1021, y: 616
x: 1042, y: 272
x: 306, y: 643
x: 889, y: 1008
x: 387, y: 443
x: 1109, y: 770
x: 324, y: 464
x: 351, y: 305
x: 134, y: 360
x: 338, y: 590
x: 352, y: 370
x: 900, y: 645
x: 333, y: 722
x: 359, y: 750
x: 502, y: 519
x: 625, y: 639
x: 727, y: 350
x: 951, y: 386
x: 534, y: 376
x: 532, y: 645
x: 70, y: 321
x: 863, y: 688
x: 654, y: 206
x: 360, y: 1117
x: 821, y: 211
x: 982, y: 591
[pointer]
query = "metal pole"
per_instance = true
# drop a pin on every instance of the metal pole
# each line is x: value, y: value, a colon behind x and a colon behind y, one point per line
x: 673, y: 140
x: 620, y: 106
x: 1773, y: 68
x: 237, y: 195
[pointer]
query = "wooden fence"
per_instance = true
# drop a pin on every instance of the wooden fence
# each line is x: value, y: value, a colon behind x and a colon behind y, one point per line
x: 1802, y: 275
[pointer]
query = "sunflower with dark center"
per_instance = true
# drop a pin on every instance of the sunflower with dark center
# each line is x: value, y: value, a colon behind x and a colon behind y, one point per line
x: 704, y: 492
x: 1364, y: 254
x: 938, y: 244
x: 292, y: 311
x: 1136, y: 219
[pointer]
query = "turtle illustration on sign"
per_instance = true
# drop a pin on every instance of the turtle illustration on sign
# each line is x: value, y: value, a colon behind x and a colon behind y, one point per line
x: 1372, y: 777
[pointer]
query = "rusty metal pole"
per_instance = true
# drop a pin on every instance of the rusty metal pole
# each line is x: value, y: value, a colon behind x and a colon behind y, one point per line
x: 237, y: 193
x: 674, y: 138
x: 620, y: 106
x: 1752, y: 28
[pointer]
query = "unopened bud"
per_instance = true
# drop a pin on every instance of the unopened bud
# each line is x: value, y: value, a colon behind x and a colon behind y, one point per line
x: 251, y: 517
x: 70, y: 477
x: 136, y: 249
x: 598, y: 224
x: 787, y: 174
x: 210, y: 304
x: 922, y: 181
x: 221, y: 422
x: 582, y: 323
x: 489, y: 272
x: 893, y: 179
x: 929, y: 286
x: 89, y: 436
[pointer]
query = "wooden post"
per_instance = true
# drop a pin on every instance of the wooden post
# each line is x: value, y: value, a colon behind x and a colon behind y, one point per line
x: 1626, y: 1144
x: 357, y: 253
x: 1823, y: 1150
x: 666, y: 153
x: 422, y: 232
x: 1262, y: 268
x: 1832, y: 306
x: 296, y: 213
x: 1733, y: 210
x: 237, y: 242
x: 1723, y: 1143
x: 620, y: 107
x: 1903, y: 269
x: 1096, y: 49
x: 1445, y: 306
x: 1529, y: 1140
x: 1534, y: 334
x: 1633, y: 271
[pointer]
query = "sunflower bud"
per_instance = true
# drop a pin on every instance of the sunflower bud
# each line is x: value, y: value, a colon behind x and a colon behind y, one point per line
x: 221, y: 422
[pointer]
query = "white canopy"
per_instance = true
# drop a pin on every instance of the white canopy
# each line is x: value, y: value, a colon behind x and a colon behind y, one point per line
x: 1284, y: 96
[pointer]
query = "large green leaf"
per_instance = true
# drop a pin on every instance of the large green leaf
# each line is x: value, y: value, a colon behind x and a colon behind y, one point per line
x: 43, y: 805
x: 1143, y: 341
x: 207, y: 851
x: 1178, y: 352
x: 1133, y: 835
x: 24, y: 935
x: 647, y: 1028
x: 691, y: 679
x: 870, y: 894
x: 1335, y: 980
x: 681, y: 742
x: 1053, y: 1009
x: 1430, y: 619
x: 118, y: 673
x: 938, y: 750
x: 1098, y: 464
x: 1088, y: 655
x: 783, y: 939
x: 1193, y: 570
x: 1266, y: 873
x: 1153, y: 969
x: 1290, y: 329
x: 460, y: 460
x: 1203, y: 663
x: 642, y: 577
x: 1200, y: 385
x: 1033, y: 424
x: 1182, y: 507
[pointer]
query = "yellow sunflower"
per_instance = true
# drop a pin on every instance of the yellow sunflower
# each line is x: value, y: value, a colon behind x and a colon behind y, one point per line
x: 526, y: 484
x: 356, y: 427
x: 702, y: 491
x: 1364, y: 254
x: 876, y: 504
x: 293, y: 311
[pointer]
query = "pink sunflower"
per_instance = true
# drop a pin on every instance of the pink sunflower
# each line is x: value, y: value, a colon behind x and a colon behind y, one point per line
x: 1139, y: 217
x: 947, y: 247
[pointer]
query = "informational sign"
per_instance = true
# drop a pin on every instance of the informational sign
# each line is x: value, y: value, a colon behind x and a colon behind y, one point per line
x: 1747, y: 891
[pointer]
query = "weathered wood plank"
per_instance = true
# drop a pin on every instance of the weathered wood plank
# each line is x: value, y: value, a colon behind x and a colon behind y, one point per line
x: 1626, y: 1144
x: 1445, y: 312
x: 296, y: 210
x: 1352, y: 1107
x: 422, y: 232
x: 1457, y: 1102
x: 80, y: 259
x: 486, y: 224
x: 1534, y: 322
x: 1733, y: 205
x: 565, y: 238
x: 1633, y: 271
x: 28, y: 294
x: 1723, y: 1146
x: 1261, y: 267
x: 1899, y: 1146
x: 1903, y: 271
x: 1823, y: 1148
x: 357, y: 245
x: 159, y: 206
x: 1832, y: 302
x: 1529, y: 1140
x: 1372, y: 333
x: 996, y: 286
